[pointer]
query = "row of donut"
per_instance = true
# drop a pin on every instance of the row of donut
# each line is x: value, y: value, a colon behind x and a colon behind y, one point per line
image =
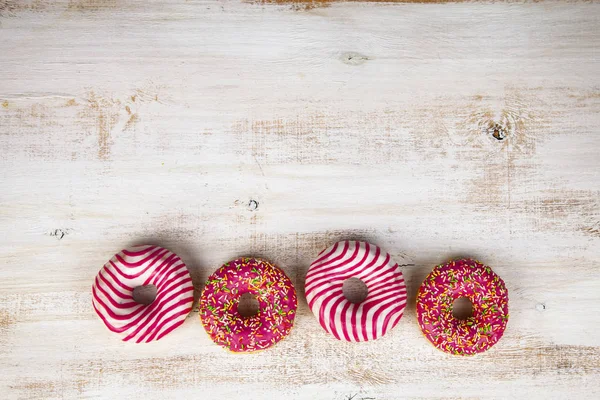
x: 380, y: 311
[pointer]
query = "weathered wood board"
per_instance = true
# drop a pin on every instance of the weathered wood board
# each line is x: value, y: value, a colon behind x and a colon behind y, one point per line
x: 225, y: 128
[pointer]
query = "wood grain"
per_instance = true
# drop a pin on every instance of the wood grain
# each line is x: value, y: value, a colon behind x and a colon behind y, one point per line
x: 224, y: 129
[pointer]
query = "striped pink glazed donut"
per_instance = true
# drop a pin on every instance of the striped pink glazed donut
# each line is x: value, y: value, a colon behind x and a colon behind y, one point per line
x: 112, y: 293
x: 369, y: 319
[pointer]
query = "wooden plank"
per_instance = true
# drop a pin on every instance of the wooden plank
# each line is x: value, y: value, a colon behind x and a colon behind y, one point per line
x: 221, y: 129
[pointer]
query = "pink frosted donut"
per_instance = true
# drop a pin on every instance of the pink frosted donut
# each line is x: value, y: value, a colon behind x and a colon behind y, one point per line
x: 384, y: 304
x: 277, y: 304
x: 482, y: 287
x: 112, y: 293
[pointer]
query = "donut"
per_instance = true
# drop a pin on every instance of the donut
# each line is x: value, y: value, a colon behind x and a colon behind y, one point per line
x: 482, y: 287
x: 112, y: 293
x: 385, y: 302
x: 220, y: 298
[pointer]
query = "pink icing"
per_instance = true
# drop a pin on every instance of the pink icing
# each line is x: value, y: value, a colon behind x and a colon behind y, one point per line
x: 277, y: 305
x: 486, y: 291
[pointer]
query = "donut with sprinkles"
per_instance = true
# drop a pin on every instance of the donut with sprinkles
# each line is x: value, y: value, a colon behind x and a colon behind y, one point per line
x: 277, y: 305
x: 485, y: 290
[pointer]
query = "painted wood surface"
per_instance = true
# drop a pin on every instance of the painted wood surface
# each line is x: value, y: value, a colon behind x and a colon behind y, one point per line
x: 224, y: 128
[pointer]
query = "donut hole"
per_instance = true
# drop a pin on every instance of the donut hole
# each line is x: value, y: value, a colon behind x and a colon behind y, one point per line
x: 462, y: 308
x: 355, y: 290
x: 144, y: 294
x: 248, y: 305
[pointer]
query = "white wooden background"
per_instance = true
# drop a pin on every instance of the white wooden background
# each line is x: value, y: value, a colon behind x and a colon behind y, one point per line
x: 228, y: 128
